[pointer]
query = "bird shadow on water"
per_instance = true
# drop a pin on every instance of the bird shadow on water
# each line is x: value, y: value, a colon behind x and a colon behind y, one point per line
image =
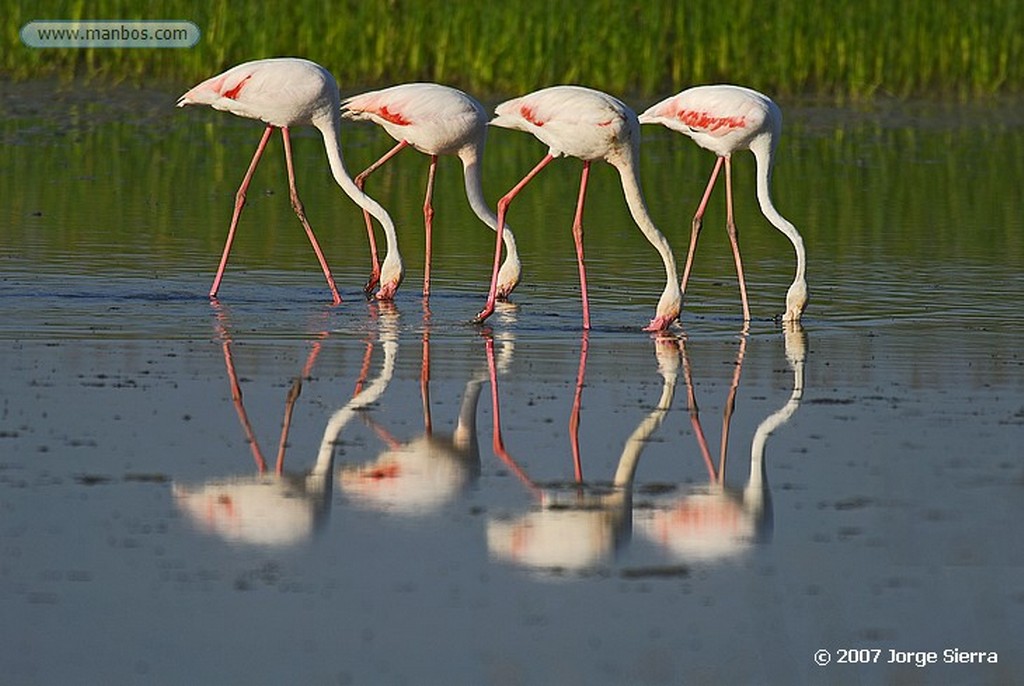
x: 579, y: 527
x: 569, y: 528
x: 276, y: 507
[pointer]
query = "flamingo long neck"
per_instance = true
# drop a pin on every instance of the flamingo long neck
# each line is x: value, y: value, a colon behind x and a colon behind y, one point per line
x: 370, y: 394
x: 465, y: 437
x: 763, y: 149
x: 474, y: 192
x: 756, y: 489
x: 638, y: 440
x: 329, y: 130
x: 638, y: 208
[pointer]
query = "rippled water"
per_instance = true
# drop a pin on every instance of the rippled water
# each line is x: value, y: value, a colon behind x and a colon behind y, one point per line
x: 521, y: 502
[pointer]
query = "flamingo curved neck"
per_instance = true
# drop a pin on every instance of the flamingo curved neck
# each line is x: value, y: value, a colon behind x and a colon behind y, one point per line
x: 329, y: 130
x: 638, y: 208
x: 474, y: 193
x: 370, y: 394
x: 638, y: 440
x: 763, y: 156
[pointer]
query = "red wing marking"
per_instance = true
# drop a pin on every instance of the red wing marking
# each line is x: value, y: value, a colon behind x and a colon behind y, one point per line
x: 393, y: 117
x: 709, y: 122
x: 530, y: 115
x: 233, y: 93
x: 389, y: 471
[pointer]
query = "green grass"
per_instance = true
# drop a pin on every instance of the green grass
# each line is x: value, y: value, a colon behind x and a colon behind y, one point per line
x: 845, y: 49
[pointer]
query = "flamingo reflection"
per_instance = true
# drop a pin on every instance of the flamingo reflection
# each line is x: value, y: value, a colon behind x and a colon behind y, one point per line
x: 422, y: 474
x: 721, y: 521
x: 275, y: 507
x: 578, y: 528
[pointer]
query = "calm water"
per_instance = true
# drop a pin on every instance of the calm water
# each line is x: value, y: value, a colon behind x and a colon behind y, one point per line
x: 868, y: 495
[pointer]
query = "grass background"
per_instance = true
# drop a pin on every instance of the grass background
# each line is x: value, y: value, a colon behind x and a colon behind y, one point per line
x: 840, y: 49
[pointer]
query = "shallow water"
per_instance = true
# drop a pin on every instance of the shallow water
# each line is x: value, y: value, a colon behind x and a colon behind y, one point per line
x: 869, y: 497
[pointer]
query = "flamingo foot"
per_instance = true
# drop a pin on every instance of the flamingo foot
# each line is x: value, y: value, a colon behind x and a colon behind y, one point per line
x: 484, y: 313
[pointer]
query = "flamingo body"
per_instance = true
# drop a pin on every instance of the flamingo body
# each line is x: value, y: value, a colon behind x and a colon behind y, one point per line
x: 284, y: 92
x: 581, y: 122
x: 724, y: 119
x: 278, y: 91
x: 434, y: 119
x: 574, y: 121
x: 438, y: 120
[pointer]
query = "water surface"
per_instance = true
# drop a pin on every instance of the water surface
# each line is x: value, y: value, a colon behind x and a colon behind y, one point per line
x: 520, y: 502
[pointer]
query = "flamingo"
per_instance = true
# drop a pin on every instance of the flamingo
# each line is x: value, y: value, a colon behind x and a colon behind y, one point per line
x: 285, y: 92
x: 591, y: 125
x: 724, y: 119
x: 436, y: 120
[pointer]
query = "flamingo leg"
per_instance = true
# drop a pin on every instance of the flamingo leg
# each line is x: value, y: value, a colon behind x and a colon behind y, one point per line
x: 428, y: 425
x: 301, y: 213
x: 694, y: 411
x: 698, y: 220
x: 239, y: 204
x: 360, y: 181
x: 497, y: 442
x: 577, y: 402
x: 364, y: 371
x: 730, y: 225
x: 577, y: 234
x: 289, y: 406
x: 428, y: 224
x: 730, y: 407
x: 286, y: 423
x: 503, y: 204
x: 243, y: 416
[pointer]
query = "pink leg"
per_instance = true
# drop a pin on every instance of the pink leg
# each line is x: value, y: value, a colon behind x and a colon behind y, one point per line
x: 243, y: 416
x: 691, y: 406
x: 698, y: 219
x: 428, y: 424
x: 364, y: 371
x: 239, y: 203
x: 286, y: 423
x: 577, y: 234
x: 497, y: 442
x: 730, y: 225
x: 574, y: 417
x: 289, y: 405
x: 730, y: 406
x: 301, y: 212
x: 428, y: 224
x: 502, y: 211
x: 360, y: 182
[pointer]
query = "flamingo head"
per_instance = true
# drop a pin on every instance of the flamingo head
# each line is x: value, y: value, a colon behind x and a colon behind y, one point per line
x: 796, y: 301
x: 508, y: 276
x: 669, y: 307
x: 391, y: 274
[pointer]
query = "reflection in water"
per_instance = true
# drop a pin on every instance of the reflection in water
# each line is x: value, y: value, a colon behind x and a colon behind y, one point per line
x: 422, y: 474
x: 579, y: 527
x: 575, y: 526
x: 278, y: 508
x: 720, y: 521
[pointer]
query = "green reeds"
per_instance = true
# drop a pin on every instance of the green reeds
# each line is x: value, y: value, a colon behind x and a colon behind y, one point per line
x: 843, y: 48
